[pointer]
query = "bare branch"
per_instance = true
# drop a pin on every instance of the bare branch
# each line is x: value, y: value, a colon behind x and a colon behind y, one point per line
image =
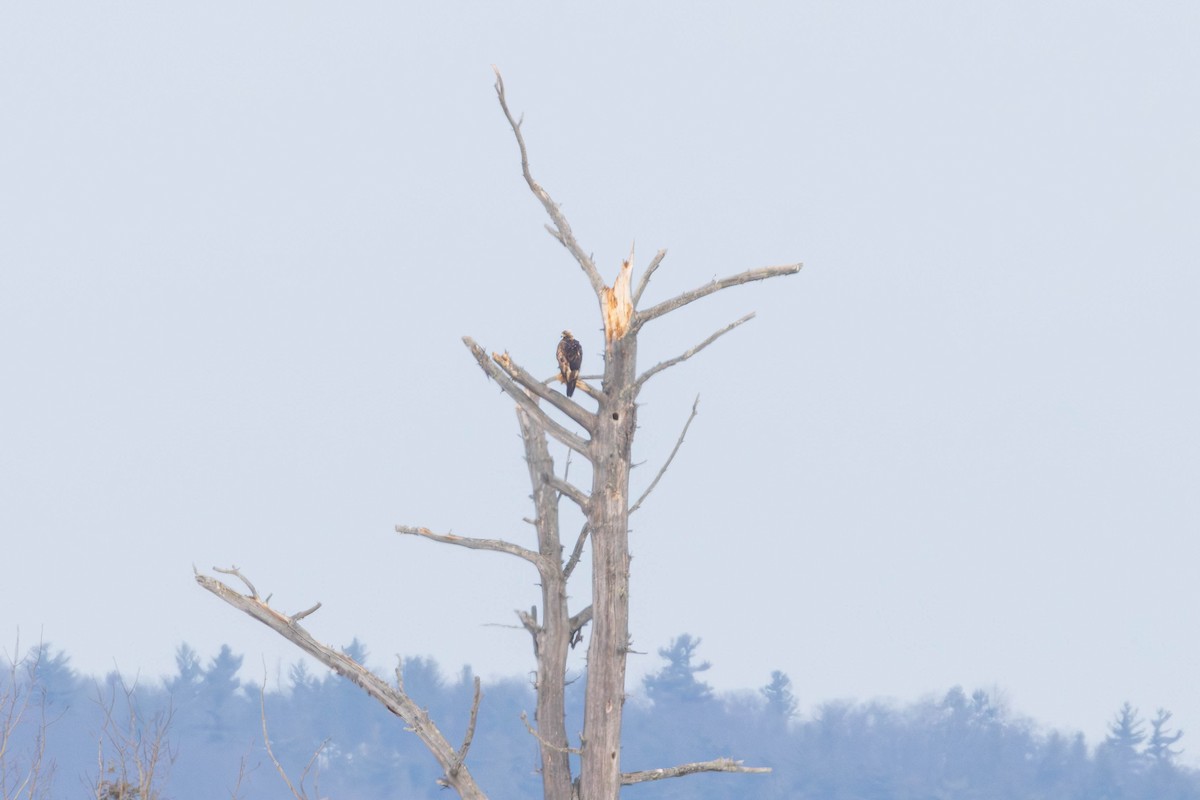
x: 524, y: 400
x: 466, y: 745
x: 530, y: 623
x: 657, y: 368
x: 577, y: 495
x: 560, y: 401
x: 581, y: 383
x: 715, y: 286
x: 716, y: 765
x: 577, y: 623
x: 562, y: 229
x: 302, y: 614
x: 234, y: 571
x: 645, y: 279
x: 572, y: 750
x: 495, y: 545
x: 670, y: 458
x: 394, y: 699
x: 577, y: 552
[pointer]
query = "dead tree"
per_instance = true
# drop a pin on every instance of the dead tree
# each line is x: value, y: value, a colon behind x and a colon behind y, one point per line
x: 603, y: 434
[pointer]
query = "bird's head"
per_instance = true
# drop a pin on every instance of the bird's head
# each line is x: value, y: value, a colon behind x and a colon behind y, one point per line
x: 567, y: 335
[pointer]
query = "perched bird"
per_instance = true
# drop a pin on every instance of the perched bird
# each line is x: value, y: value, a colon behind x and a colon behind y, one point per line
x: 570, y: 356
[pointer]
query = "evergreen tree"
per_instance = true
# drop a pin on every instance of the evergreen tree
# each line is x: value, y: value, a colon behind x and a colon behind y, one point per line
x: 677, y: 682
x: 1161, y: 739
x: 781, y: 703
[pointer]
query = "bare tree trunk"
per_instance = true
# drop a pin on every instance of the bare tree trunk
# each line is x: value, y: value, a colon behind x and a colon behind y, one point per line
x: 605, y: 696
x: 551, y: 639
x: 605, y: 439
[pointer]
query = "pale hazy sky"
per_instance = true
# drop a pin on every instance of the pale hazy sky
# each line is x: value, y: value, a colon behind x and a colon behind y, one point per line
x: 240, y: 242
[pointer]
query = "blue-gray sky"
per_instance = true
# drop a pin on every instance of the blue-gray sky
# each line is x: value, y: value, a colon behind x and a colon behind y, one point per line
x: 240, y: 242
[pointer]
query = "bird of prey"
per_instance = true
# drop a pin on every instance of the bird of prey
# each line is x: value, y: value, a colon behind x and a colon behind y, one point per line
x: 570, y: 356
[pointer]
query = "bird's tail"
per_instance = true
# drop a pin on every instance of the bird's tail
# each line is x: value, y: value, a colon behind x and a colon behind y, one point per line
x: 574, y: 376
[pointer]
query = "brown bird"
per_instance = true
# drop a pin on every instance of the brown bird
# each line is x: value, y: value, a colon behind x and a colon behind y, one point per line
x: 570, y: 356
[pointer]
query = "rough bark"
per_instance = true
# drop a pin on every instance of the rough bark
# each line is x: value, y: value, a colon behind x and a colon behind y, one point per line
x: 551, y: 638
x: 604, y: 698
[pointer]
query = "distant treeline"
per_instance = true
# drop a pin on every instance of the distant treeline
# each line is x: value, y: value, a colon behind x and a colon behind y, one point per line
x: 201, y: 730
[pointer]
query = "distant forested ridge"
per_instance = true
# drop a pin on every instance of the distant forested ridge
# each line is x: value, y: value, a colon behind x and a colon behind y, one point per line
x: 208, y: 723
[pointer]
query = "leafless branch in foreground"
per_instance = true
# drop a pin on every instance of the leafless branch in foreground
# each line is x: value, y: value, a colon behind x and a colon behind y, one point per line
x: 562, y: 229
x: 716, y: 765
x: 670, y: 458
x: 657, y: 368
x: 762, y: 273
x: 645, y: 279
x: 394, y: 699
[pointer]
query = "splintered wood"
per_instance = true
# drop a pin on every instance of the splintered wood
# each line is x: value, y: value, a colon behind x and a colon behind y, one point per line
x: 618, y: 303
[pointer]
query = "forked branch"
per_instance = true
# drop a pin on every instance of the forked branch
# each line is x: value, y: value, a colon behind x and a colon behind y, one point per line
x: 716, y: 765
x: 495, y: 545
x: 562, y: 229
x: 657, y: 368
x: 394, y: 699
x: 560, y: 401
x: 749, y: 276
x: 523, y: 399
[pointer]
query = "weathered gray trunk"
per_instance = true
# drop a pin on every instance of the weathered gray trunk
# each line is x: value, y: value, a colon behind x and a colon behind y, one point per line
x: 600, y: 775
x: 552, y: 635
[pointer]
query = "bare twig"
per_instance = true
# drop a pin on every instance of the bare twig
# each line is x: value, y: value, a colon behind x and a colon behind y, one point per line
x: 572, y: 750
x: 559, y: 400
x: 577, y: 552
x: 716, y: 765
x: 657, y: 368
x: 562, y: 229
x: 302, y: 614
x: 523, y: 399
x: 466, y: 745
x: 645, y: 279
x: 642, y: 317
x: 495, y: 545
x: 299, y: 793
x: 670, y: 458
